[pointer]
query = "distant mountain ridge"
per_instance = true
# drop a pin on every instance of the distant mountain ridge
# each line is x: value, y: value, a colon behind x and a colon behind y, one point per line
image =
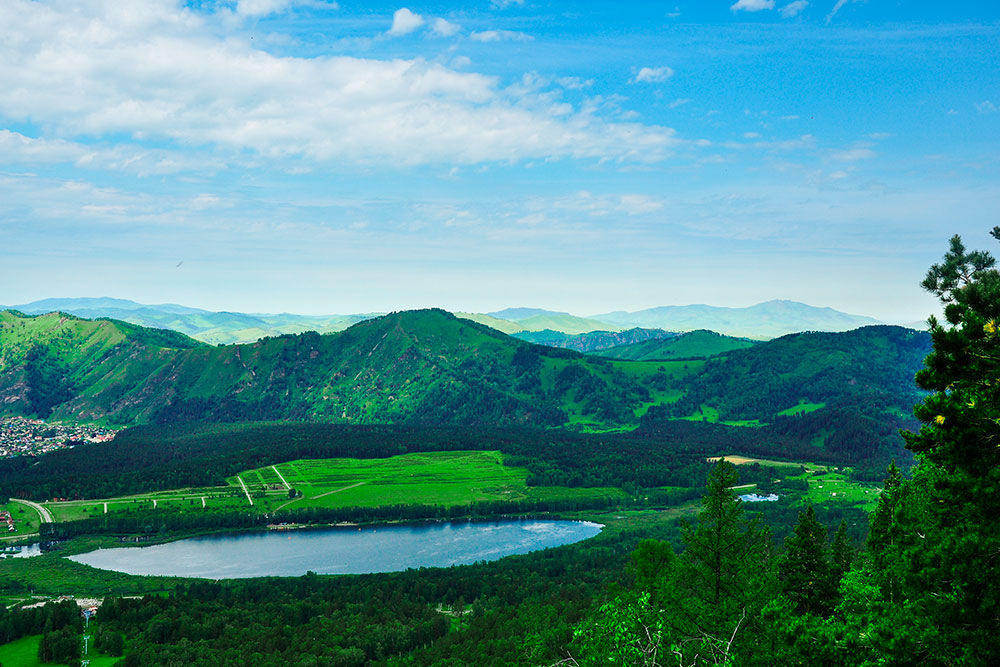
x: 761, y: 321
x: 207, y: 326
x: 770, y: 319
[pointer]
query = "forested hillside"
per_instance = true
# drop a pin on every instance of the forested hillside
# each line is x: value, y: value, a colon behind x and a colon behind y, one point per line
x: 594, y: 340
x: 691, y: 345
x: 416, y: 367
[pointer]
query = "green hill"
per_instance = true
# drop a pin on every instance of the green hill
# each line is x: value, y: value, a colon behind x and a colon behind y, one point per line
x: 692, y: 345
x: 410, y: 367
x: 848, y: 393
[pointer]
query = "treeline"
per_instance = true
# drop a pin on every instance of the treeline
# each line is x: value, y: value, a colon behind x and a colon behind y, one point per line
x: 172, y: 521
x: 59, y: 623
x: 158, y: 457
x: 848, y: 434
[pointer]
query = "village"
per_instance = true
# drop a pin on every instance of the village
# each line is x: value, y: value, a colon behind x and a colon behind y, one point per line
x: 20, y: 436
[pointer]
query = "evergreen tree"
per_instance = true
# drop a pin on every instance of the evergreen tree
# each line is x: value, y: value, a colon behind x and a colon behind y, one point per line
x: 724, y: 576
x: 807, y: 577
x: 934, y: 542
x: 841, y: 552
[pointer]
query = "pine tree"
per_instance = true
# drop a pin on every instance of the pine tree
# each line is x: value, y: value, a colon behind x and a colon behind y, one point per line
x: 807, y: 577
x: 841, y: 552
x: 724, y: 576
x: 934, y: 542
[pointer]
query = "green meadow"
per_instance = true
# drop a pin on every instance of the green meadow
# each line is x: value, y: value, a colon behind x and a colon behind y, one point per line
x: 433, y: 478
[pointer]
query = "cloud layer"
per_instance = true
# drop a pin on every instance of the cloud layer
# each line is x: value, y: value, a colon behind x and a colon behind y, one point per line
x: 155, y: 71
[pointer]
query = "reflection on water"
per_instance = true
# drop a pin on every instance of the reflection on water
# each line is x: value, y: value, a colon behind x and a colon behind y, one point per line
x: 22, y: 551
x: 341, y: 550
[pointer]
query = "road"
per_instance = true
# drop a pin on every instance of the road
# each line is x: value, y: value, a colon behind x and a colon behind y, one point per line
x: 42, y: 512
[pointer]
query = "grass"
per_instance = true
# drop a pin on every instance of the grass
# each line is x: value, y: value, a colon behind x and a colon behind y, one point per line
x: 26, y: 520
x: 51, y: 574
x: 434, y: 478
x: 738, y: 460
x: 827, y: 484
x: 834, y: 487
x: 802, y: 408
x: 24, y: 653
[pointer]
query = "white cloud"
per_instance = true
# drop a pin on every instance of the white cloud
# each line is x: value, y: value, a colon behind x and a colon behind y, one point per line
x: 18, y: 149
x: 159, y: 73
x: 752, y: 5
x: 793, y: 9
x: 259, y: 8
x: 837, y: 7
x: 653, y: 75
x: 504, y: 4
x: 986, y: 106
x: 597, y: 205
x: 404, y: 22
x: 679, y: 102
x: 574, y: 83
x: 444, y: 28
x: 853, y: 154
x: 499, y: 36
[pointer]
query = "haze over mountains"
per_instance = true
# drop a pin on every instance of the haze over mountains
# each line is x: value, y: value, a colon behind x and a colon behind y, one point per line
x: 762, y: 321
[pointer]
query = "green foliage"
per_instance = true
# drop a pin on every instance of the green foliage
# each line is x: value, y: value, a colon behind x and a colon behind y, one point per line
x: 807, y: 576
x: 421, y: 367
x: 692, y: 345
x: 933, y: 544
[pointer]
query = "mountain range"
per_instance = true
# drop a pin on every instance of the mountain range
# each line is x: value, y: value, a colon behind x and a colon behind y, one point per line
x: 431, y: 367
x: 762, y: 321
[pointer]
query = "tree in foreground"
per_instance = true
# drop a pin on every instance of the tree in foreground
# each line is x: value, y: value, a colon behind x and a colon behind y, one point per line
x: 702, y: 607
x: 933, y: 572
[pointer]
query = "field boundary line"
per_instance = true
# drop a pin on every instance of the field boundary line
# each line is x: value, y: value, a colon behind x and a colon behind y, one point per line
x: 343, y: 488
x: 281, y: 477
x: 240, y: 480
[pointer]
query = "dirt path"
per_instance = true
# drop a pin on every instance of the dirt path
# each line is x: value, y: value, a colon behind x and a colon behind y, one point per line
x: 281, y: 477
x: 240, y: 480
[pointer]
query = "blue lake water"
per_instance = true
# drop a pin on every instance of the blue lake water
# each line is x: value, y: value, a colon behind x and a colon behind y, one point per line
x: 341, y: 550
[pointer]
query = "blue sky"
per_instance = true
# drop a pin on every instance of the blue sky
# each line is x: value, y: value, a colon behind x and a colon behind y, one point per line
x: 321, y: 157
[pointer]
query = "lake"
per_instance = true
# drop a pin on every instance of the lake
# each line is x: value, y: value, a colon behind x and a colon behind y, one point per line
x: 340, y: 550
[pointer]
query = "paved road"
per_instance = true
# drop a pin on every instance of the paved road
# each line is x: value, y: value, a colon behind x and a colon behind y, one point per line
x: 44, y: 513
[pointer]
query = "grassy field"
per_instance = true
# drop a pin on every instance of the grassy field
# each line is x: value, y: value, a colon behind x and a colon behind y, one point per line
x: 738, y: 460
x: 24, y: 653
x: 827, y: 484
x: 833, y: 486
x: 26, y: 521
x: 435, y: 478
x: 802, y: 408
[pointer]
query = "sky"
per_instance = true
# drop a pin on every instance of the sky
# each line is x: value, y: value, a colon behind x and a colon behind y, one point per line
x: 323, y: 157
